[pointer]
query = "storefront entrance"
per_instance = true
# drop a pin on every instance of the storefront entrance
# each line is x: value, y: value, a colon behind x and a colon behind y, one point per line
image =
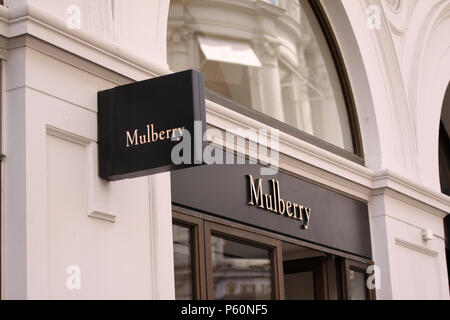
x: 218, y: 259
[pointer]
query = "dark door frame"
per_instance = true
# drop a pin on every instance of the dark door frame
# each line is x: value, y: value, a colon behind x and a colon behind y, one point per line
x: 318, y: 267
x: 197, y: 251
x: 347, y: 265
x: 203, y: 225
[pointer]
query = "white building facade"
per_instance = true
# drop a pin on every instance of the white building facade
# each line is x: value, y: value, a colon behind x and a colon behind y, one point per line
x: 68, y: 234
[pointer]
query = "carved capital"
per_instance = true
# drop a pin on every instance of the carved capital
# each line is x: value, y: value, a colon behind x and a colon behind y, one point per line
x: 179, y: 38
x: 266, y: 50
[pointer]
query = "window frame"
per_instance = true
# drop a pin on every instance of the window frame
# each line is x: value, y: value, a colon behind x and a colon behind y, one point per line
x: 341, y: 70
x: 335, y: 262
x: 202, y: 230
x: 248, y: 238
x: 197, y: 251
x: 318, y: 267
x: 358, y: 153
x: 345, y: 266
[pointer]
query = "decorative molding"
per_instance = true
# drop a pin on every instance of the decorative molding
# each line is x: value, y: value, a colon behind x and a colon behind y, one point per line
x: 415, y: 247
x: 320, y: 165
x: 68, y: 136
x: 395, y: 91
x: 292, y: 9
x: 266, y: 50
x: 3, y: 48
x: 28, y: 19
x: 95, y: 209
x: 102, y: 216
x: 399, y: 14
x: 67, y: 57
x: 179, y: 37
x: 3, y: 54
x: 394, y: 5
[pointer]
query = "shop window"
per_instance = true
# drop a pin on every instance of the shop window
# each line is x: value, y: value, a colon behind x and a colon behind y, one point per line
x: 241, y: 265
x: 274, y: 65
x: 222, y: 260
x: 188, y: 254
x: 357, y: 281
x: 240, y: 271
x: 182, y: 248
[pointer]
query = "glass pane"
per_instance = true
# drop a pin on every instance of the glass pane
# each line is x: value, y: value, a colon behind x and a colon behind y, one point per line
x: 278, y: 64
x: 182, y: 254
x: 240, y: 271
x: 358, y: 289
x: 299, y: 286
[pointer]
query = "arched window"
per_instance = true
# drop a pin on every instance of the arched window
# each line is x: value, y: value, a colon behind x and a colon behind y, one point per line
x: 269, y: 59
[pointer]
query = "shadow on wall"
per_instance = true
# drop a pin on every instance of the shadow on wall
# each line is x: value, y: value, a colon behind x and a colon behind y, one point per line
x: 444, y: 166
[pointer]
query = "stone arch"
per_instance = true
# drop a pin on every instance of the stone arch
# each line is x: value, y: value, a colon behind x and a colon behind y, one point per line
x: 428, y: 82
x: 355, y: 68
x: 354, y: 63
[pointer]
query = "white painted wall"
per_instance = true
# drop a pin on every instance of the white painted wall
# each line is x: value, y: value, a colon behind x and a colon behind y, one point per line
x: 52, y: 187
x: 407, y: 67
x: 398, y: 74
x: 137, y: 26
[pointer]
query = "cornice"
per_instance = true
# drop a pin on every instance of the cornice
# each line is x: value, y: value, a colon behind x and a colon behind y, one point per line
x: 28, y: 19
x: 247, y: 6
x: 343, y: 175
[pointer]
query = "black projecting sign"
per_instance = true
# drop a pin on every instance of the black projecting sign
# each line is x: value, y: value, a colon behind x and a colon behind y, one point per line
x: 140, y: 123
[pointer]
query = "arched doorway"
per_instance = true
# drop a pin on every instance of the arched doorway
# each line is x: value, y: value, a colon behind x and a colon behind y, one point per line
x: 444, y: 165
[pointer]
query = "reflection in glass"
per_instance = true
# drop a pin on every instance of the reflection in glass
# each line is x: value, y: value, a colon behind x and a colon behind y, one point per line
x: 274, y: 61
x: 299, y: 286
x: 357, y: 285
x: 182, y: 254
x: 240, y: 271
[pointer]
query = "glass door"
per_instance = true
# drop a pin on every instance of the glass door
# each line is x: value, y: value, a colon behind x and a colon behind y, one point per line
x: 241, y: 265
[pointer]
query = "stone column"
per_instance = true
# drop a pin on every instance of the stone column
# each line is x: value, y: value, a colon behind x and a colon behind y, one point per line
x: 327, y: 119
x: 180, y: 50
x: 269, y: 79
x: 303, y: 105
